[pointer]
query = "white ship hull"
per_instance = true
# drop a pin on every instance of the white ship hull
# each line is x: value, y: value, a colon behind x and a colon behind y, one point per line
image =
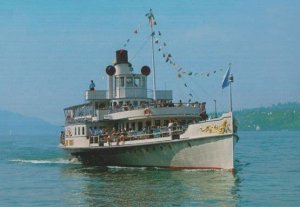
x: 214, y: 152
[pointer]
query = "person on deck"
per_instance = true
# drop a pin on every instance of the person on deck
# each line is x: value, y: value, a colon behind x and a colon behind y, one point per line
x: 92, y: 85
x: 203, y: 113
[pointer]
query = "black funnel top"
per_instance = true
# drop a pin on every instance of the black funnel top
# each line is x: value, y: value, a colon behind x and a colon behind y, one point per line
x: 121, y: 56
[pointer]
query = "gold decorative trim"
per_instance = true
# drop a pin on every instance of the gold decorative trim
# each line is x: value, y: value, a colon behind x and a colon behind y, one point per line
x: 218, y: 129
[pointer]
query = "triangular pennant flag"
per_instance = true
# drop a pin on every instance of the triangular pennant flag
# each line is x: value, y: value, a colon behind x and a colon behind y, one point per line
x: 225, y: 82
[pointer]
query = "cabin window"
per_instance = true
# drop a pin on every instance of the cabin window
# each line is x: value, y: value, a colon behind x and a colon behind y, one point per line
x: 129, y: 82
x: 117, y: 82
x: 78, y: 130
x: 122, y: 81
x: 132, y: 126
x: 102, y: 105
x: 166, y: 122
x: 82, y: 130
x: 140, y: 126
x: 143, y: 82
x: 75, y: 131
x: 136, y: 81
x: 148, y: 123
x: 157, y: 122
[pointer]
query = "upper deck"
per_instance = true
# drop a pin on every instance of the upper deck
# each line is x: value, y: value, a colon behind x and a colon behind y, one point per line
x: 128, y: 98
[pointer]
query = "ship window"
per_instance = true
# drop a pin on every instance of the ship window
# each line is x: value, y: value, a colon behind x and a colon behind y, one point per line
x: 102, y: 105
x: 75, y: 131
x: 136, y: 81
x: 140, y: 126
x: 157, y: 122
x: 78, y: 130
x: 129, y: 82
x: 148, y: 123
x: 117, y: 82
x: 166, y: 122
x: 82, y: 130
x: 143, y: 82
x: 122, y: 81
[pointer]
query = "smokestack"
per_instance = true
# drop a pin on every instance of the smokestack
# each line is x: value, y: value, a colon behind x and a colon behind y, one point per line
x: 121, y: 56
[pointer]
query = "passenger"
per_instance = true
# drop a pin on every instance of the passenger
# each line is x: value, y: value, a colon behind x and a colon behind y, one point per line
x: 188, y: 103
x: 108, y: 140
x: 180, y: 103
x: 170, y: 127
x: 122, y: 138
x: 92, y: 85
x: 203, y: 114
x: 91, y: 130
x: 171, y: 104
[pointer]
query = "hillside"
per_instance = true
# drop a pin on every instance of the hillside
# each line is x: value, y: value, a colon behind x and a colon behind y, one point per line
x: 277, y: 117
x: 15, y: 123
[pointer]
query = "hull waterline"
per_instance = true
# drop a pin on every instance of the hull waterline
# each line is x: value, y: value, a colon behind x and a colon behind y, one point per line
x: 215, y: 152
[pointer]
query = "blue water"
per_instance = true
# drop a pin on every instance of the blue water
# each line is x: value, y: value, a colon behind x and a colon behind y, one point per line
x: 34, y: 172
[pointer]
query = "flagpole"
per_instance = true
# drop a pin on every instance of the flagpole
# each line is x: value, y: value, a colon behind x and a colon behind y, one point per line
x: 230, y: 91
x: 152, y: 22
x: 230, y: 96
x: 153, y: 64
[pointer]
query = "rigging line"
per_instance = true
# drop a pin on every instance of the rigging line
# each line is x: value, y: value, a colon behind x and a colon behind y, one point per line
x: 138, y: 51
x: 137, y: 30
x: 165, y: 51
x: 190, y: 89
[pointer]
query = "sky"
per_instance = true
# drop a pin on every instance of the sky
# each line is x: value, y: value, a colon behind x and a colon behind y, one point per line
x: 50, y: 50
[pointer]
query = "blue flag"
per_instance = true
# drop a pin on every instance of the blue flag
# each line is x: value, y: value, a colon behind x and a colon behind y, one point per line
x: 226, y: 79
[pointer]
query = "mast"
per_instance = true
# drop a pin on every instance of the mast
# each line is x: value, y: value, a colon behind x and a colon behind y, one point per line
x: 152, y: 23
x: 153, y: 64
x: 230, y: 91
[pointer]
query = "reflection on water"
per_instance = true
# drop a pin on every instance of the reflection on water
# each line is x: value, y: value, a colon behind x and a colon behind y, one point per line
x: 100, y: 186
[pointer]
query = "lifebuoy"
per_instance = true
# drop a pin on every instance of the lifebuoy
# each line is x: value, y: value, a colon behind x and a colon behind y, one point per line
x: 147, y: 111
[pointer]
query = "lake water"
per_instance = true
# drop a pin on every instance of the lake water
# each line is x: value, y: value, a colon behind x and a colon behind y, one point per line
x: 34, y: 172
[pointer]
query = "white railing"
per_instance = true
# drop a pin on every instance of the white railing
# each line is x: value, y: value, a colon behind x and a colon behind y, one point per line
x: 99, y: 140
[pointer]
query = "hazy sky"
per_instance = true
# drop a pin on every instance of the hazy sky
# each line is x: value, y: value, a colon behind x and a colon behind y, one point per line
x: 50, y: 50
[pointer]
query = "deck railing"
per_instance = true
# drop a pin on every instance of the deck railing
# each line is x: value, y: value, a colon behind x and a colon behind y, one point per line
x: 99, y: 140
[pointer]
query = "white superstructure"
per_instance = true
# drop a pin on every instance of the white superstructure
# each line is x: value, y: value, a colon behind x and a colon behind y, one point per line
x: 125, y: 126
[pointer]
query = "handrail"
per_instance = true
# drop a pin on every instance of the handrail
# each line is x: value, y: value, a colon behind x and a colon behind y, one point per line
x: 103, y: 138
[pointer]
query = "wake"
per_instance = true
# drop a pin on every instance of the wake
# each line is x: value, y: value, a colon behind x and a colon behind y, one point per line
x: 54, y: 161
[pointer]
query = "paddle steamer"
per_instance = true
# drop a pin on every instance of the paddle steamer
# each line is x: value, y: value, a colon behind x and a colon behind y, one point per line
x: 128, y: 126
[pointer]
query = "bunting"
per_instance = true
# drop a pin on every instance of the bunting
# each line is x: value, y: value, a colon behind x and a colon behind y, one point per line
x: 161, y: 47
